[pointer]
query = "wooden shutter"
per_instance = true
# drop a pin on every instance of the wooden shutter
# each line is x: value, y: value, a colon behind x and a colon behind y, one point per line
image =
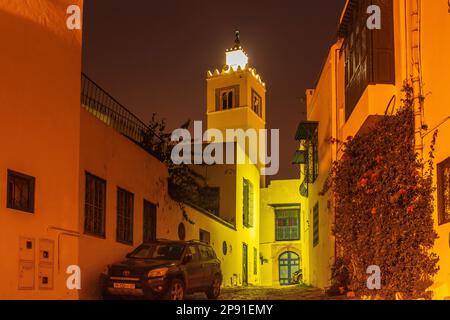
x: 245, y: 203
x: 383, y: 45
x: 250, y: 205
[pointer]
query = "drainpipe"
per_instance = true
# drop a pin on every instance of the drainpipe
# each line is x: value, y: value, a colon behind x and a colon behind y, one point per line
x: 336, y: 51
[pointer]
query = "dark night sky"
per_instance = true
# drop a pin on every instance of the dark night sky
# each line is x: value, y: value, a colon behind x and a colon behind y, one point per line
x: 153, y: 55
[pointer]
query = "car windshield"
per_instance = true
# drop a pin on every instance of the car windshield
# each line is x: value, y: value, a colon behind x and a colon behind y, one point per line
x: 158, y: 252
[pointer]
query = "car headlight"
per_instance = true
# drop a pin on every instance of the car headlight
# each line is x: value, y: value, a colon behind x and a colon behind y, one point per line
x: 157, y: 273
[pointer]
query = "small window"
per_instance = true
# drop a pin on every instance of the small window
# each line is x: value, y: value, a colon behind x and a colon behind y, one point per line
x: 316, y: 225
x: 287, y: 224
x: 313, y: 157
x: 443, y: 186
x: 211, y: 253
x: 125, y: 207
x: 181, y: 231
x: 206, y: 253
x: 224, y: 248
x: 20, y: 192
x: 227, y: 98
x: 149, y: 222
x: 205, y: 236
x: 95, y: 206
x: 256, y: 103
x: 192, y: 250
x: 248, y: 205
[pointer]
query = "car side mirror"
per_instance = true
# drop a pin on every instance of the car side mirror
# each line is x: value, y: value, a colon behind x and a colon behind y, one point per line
x: 187, y: 258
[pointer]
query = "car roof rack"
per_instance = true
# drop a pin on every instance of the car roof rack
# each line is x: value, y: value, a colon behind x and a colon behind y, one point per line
x: 198, y: 241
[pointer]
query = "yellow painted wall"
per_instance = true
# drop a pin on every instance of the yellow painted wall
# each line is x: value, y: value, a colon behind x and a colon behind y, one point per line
x: 39, y: 134
x: 320, y: 108
x: 250, y: 236
x: 436, y: 78
x: 224, y: 177
x: 435, y: 24
x: 279, y: 192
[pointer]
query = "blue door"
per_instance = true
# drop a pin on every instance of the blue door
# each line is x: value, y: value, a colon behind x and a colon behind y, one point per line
x: 289, y: 263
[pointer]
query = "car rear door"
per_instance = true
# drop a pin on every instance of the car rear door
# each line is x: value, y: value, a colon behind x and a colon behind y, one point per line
x: 209, y: 264
x: 194, y: 272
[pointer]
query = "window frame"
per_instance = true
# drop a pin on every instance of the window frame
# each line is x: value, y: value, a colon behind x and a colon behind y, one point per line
x: 297, y: 213
x: 103, y: 183
x: 234, y: 90
x: 443, y: 217
x: 206, y: 233
x: 258, y: 97
x: 196, y: 255
x: 124, y: 213
x: 364, y: 51
x: 248, y: 205
x: 30, y: 181
x: 147, y: 205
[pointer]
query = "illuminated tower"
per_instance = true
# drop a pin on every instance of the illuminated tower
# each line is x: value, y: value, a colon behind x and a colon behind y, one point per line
x: 236, y: 100
x: 236, y: 95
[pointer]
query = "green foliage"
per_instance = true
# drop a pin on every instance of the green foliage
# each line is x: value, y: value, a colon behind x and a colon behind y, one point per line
x: 185, y: 185
x: 384, y: 206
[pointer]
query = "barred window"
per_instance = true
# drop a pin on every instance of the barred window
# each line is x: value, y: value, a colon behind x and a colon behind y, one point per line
x: 20, y: 192
x: 316, y: 225
x: 248, y: 204
x: 287, y: 224
x: 95, y: 206
x: 444, y: 191
x: 227, y: 98
x: 125, y: 207
x: 149, y: 221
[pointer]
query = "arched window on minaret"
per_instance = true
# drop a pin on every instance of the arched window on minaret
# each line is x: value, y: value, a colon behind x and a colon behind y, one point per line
x: 230, y: 99
x: 227, y: 98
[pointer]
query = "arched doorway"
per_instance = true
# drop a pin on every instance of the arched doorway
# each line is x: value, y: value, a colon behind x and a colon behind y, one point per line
x: 289, y: 263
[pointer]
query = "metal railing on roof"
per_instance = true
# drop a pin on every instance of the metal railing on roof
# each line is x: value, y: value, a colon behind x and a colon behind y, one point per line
x: 107, y: 109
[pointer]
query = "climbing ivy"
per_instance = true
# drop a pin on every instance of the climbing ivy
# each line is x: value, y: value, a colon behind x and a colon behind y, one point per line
x: 383, y: 195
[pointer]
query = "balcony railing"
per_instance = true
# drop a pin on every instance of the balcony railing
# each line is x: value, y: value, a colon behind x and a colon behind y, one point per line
x: 107, y: 109
x: 304, y: 188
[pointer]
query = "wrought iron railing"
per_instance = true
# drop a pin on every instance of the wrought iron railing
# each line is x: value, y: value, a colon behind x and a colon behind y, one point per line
x: 304, y: 188
x: 107, y: 109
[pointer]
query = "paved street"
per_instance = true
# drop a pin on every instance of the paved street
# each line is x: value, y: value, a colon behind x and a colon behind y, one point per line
x: 266, y: 293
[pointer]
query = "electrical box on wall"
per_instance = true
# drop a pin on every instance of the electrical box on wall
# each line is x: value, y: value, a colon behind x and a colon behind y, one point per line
x: 46, y: 253
x: 26, y: 249
x: 26, y: 275
x: 45, y: 273
x: 45, y: 277
x: 26, y: 263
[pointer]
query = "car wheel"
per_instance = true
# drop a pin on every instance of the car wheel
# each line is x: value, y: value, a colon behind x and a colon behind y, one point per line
x: 176, y: 290
x: 214, y: 292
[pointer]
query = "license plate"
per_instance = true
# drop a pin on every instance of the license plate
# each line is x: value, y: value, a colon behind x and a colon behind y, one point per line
x: 124, y: 286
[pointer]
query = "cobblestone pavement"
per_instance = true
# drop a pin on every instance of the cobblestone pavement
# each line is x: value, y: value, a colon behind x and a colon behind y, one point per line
x: 268, y: 293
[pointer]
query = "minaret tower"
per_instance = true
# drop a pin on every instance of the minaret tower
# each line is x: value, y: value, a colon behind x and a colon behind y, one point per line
x: 236, y: 95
